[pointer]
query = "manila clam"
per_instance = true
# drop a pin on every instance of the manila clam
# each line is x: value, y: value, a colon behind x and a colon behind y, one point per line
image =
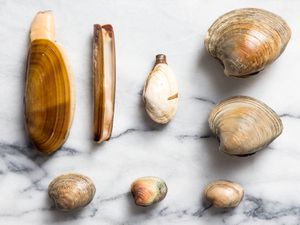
x: 244, y: 125
x: 71, y: 191
x: 49, y: 101
x: 148, y: 190
x: 246, y: 40
x: 223, y: 193
x: 104, y: 73
x: 160, y: 92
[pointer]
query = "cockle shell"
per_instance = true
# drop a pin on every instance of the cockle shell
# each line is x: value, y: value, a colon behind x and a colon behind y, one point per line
x: 161, y: 92
x: 49, y: 103
x: 244, y: 125
x: 148, y: 190
x: 71, y: 191
x: 223, y: 193
x: 246, y: 40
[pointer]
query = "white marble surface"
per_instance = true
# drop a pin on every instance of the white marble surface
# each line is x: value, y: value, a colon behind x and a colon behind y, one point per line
x: 183, y: 153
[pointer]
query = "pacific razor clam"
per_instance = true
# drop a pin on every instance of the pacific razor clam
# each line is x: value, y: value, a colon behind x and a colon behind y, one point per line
x: 148, y: 190
x: 247, y: 40
x: 160, y: 92
x: 244, y: 125
x: 49, y: 100
x: 223, y: 194
x: 104, y: 84
x: 71, y: 191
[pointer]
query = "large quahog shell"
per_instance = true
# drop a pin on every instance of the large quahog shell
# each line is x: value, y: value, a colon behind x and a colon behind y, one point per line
x: 71, y: 191
x: 244, y: 125
x: 246, y: 40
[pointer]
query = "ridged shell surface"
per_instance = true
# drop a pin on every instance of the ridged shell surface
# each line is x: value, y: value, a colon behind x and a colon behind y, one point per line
x: 244, y: 125
x: 223, y: 193
x: 71, y: 191
x: 246, y: 40
x: 148, y: 190
x: 48, y: 96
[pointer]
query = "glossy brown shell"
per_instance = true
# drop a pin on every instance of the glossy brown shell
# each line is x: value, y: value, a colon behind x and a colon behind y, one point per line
x: 104, y: 81
x: 48, y: 96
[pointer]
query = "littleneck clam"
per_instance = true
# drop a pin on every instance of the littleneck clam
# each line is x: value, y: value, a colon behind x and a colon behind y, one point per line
x: 160, y: 92
x: 148, y: 190
x: 104, y: 72
x: 246, y: 40
x: 71, y: 191
x: 223, y: 194
x: 244, y: 125
x: 49, y: 102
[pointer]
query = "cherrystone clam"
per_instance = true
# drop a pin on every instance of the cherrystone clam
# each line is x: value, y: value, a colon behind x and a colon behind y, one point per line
x: 244, y: 125
x: 246, y: 40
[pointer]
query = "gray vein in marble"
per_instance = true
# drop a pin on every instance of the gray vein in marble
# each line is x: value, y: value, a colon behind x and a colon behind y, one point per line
x: 289, y: 116
x: 268, y: 210
x: 206, y: 100
x: 113, y: 198
x: 130, y: 131
x: 193, y: 137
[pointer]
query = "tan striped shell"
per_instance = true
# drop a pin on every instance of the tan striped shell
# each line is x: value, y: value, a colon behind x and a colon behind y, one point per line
x: 224, y: 193
x: 246, y: 40
x: 71, y: 191
x: 244, y: 125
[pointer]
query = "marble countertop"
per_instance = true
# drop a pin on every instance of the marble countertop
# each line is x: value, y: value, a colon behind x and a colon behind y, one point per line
x: 183, y: 153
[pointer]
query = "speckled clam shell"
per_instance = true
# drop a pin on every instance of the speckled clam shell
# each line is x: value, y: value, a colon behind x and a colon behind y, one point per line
x: 223, y: 193
x: 246, y: 40
x: 148, y: 190
x: 71, y: 191
x: 244, y: 125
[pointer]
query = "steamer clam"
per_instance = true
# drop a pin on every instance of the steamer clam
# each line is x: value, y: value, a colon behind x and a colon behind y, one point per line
x: 244, y: 125
x: 160, y: 92
x: 246, y: 40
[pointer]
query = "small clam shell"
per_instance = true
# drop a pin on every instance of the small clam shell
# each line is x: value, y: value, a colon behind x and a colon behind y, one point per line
x: 148, y: 190
x: 223, y: 194
x: 71, y: 191
x: 246, y: 40
x: 244, y: 125
x: 161, y: 92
